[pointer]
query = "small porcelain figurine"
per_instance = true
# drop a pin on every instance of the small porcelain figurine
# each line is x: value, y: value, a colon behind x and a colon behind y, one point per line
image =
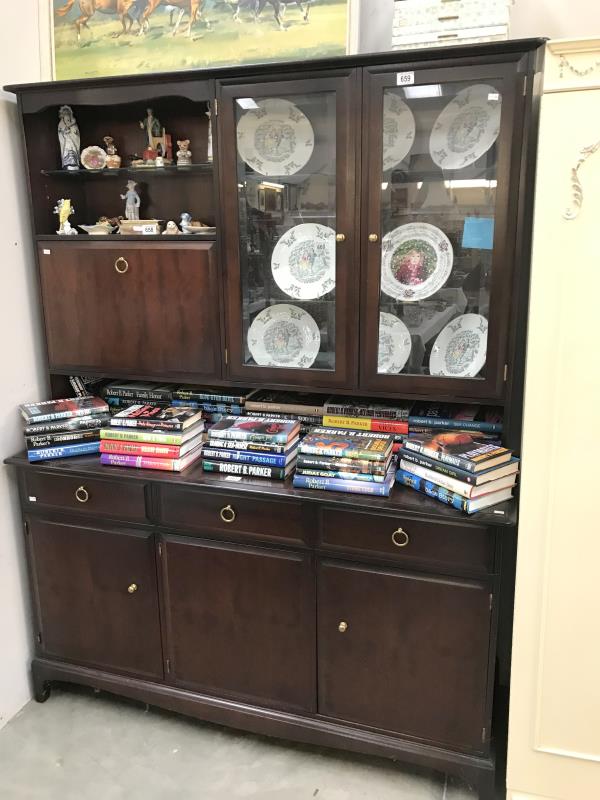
x: 113, y: 159
x: 159, y: 161
x: 132, y: 201
x: 171, y: 229
x: 184, y: 156
x: 186, y: 220
x: 68, y: 138
x: 64, y: 209
x: 152, y: 128
x: 209, y: 154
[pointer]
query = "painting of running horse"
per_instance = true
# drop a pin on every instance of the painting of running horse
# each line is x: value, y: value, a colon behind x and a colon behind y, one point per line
x: 95, y: 38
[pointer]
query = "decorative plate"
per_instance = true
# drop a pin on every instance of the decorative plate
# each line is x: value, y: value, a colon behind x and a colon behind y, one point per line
x: 398, y: 130
x: 460, y: 349
x: 303, y: 261
x: 276, y: 138
x: 93, y: 157
x: 284, y: 336
x: 394, y: 344
x: 467, y: 127
x: 416, y: 260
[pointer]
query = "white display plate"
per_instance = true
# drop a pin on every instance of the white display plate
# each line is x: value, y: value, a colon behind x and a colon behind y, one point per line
x: 284, y: 335
x: 276, y: 138
x: 467, y: 127
x: 460, y: 349
x: 398, y: 130
x: 303, y: 261
x: 394, y: 344
x: 416, y: 260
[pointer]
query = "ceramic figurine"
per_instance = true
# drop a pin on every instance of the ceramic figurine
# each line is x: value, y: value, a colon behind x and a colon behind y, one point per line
x: 186, y: 219
x: 171, y: 229
x: 152, y: 128
x: 64, y: 209
x: 132, y: 201
x: 184, y: 156
x: 113, y: 159
x: 209, y: 154
x: 68, y: 138
x: 159, y: 161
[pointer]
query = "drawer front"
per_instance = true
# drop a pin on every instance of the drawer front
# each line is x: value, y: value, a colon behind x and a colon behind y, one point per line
x: 418, y: 17
x: 232, y: 515
x: 119, y: 500
x: 396, y: 538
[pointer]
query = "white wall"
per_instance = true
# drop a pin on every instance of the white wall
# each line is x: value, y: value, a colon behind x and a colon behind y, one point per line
x: 556, y: 19
x: 21, y: 366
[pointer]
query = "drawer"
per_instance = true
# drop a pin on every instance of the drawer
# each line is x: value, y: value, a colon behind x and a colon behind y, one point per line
x: 108, y: 498
x: 437, y: 545
x: 232, y: 515
x: 412, y: 17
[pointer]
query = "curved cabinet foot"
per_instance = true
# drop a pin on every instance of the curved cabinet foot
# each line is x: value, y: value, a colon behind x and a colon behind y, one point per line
x: 42, y: 692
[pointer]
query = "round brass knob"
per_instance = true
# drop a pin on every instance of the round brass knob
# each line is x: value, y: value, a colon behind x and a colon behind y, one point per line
x: 400, y: 538
x: 227, y: 514
x: 132, y: 588
x: 373, y: 237
x: 121, y: 265
x: 343, y: 627
x: 340, y: 237
x: 82, y: 494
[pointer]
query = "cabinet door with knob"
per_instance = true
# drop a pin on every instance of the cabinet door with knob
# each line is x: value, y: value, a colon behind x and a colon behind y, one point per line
x: 142, y: 308
x: 240, y: 621
x: 288, y: 176
x: 405, y: 653
x: 94, y: 591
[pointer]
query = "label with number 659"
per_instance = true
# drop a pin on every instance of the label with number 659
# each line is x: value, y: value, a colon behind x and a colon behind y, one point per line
x: 405, y: 78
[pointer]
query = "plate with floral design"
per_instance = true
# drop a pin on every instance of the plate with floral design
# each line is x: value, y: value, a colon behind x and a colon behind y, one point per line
x: 460, y: 349
x: 303, y: 261
x: 398, y: 130
x: 284, y: 335
x: 416, y: 260
x: 276, y: 138
x: 467, y: 127
x: 93, y: 157
x: 394, y: 344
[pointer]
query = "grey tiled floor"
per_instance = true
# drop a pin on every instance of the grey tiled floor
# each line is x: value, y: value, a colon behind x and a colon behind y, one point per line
x: 97, y: 747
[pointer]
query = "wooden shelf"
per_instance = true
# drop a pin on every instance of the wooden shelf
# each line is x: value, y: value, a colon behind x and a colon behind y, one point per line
x: 117, y: 237
x: 152, y: 172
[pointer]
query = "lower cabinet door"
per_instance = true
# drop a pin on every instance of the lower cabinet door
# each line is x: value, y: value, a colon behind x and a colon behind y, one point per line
x: 241, y: 621
x: 97, y: 596
x: 404, y: 653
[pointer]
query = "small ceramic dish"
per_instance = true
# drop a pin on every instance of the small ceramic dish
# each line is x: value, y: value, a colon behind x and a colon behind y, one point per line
x: 94, y: 158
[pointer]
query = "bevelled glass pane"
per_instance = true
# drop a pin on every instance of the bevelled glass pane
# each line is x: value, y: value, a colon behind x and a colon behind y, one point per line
x: 286, y: 157
x: 438, y: 200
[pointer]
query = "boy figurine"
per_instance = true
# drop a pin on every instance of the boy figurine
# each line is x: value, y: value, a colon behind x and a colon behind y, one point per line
x: 132, y: 201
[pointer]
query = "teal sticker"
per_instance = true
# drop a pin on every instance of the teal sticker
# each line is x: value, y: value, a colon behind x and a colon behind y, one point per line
x: 478, y: 233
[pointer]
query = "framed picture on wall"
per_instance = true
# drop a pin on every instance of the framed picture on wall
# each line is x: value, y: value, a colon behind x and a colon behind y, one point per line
x: 93, y: 38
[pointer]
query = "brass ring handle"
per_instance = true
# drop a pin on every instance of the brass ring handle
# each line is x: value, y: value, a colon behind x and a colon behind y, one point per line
x: 227, y: 514
x: 121, y: 265
x: 400, y: 538
x: 82, y: 494
x: 373, y: 237
x: 340, y: 237
x: 343, y: 627
x: 132, y: 588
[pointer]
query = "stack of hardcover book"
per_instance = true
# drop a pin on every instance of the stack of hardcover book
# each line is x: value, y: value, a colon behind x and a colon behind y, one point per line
x: 307, y: 409
x: 63, y: 428
x: 358, y: 462
x: 378, y: 416
x: 252, y: 447
x: 459, y: 469
x: 153, y: 437
x: 428, y: 418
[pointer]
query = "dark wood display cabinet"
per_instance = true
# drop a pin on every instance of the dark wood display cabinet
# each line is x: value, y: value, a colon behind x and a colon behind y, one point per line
x: 373, y: 219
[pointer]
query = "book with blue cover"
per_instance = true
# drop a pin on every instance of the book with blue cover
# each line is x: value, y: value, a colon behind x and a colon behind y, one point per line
x: 47, y: 453
x: 451, y: 498
x: 472, y: 478
x: 248, y: 456
x: 453, y: 416
x: 347, y: 486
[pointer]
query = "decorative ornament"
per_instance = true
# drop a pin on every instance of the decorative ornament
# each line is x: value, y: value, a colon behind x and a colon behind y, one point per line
x: 68, y: 138
x: 64, y: 210
x: 184, y: 155
x: 113, y: 159
x: 576, y: 188
x: 132, y: 201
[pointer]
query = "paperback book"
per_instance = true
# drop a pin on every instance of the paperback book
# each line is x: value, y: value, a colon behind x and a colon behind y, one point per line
x: 47, y: 453
x: 452, y: 498
x: 474, y: 478
x: 330, y: 484
x: 255, y: 429
x: 359, y: 407
x: 152, y: 436
x: 88, y: 423
x: 460, y: 449
x: 49, y: 410
x: 171, y: 418
x: 247, y: 470
x: 147, y: 462
x: 153, y: 450
x: 347, y: 444
x: 59, y: 439
x: 287, y: 402
x: 248, y: 457
x: 366, y: 424
x: 459, y: 487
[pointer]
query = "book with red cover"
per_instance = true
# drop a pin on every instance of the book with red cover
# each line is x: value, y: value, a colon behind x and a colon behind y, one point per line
x: 151, y: 449
x: 150, y: 462
x: 171, y: 418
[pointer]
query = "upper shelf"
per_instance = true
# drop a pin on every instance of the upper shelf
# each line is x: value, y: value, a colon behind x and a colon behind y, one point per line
x: 153, y: 172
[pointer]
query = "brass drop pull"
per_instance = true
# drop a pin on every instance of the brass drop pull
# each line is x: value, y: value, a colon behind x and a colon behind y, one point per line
x: 82, y: 494
x: 400, y: 538
x: 343, y: 627
x: 340, y: 237
x: 227, y: 514
x: 373, y: 237
x: 121, y: 265
x: 132, y: 588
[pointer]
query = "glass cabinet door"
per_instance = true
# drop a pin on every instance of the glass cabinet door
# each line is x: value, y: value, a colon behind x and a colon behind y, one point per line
x: 288, y: 193
x: 438, y: 240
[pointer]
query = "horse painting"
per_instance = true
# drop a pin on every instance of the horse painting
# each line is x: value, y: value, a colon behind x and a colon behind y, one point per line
x: 193, y: 7
x: 88, y: 8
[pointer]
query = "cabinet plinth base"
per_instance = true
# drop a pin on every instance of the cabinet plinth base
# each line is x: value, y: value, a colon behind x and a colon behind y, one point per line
x: 477, y: 771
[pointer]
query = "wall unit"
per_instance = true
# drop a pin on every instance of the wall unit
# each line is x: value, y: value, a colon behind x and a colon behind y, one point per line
x: 322, y: 618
